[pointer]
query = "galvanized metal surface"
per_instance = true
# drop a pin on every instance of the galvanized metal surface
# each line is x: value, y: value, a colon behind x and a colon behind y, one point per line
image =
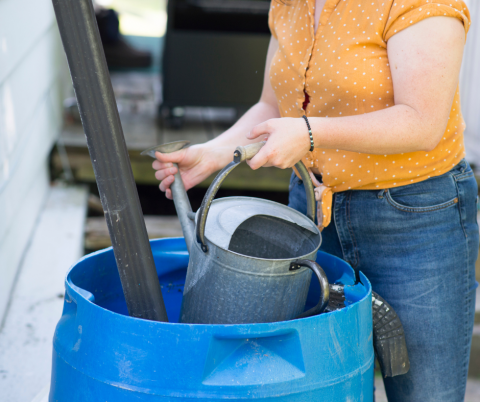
x: 323, y: 283
x: 240, y: 265
x: 227, y: 288
x: 183, y: 208
x: 246, y: 278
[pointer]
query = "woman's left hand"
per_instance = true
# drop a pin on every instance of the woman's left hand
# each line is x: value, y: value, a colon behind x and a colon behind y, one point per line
x: 287, y: 142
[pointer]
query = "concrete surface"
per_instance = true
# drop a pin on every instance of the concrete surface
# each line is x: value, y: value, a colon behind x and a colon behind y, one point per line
x: 37, y: 299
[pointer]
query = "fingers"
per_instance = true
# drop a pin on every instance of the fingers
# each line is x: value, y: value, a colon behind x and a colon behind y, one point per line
x: 163, y: 173
x: 160, y: 165
x: 260, y: 159
x: 166, y: 183
x: 268, y: 156
x: 174, y: 157
x: 260, y: 129
x: 165, y: 169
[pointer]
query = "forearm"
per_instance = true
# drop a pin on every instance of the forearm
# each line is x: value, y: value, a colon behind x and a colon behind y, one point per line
x: 398, y: 129
x: 236, y: 135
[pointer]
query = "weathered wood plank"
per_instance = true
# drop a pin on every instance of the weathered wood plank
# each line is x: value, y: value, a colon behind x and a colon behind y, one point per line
x: 97, y: 237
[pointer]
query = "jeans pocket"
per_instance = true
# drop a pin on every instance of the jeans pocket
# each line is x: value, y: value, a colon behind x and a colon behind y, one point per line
x: 434, y: 194
x: 429, y: 208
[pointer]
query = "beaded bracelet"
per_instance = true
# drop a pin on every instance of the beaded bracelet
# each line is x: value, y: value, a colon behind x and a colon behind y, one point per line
x: 309, y: 133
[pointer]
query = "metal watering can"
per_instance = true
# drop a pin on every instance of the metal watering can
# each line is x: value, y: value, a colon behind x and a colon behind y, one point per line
x: 252, y: 260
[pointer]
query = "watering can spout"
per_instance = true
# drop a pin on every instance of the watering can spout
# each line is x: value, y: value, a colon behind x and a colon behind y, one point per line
x: 180, y: 198
x: 184, y: 210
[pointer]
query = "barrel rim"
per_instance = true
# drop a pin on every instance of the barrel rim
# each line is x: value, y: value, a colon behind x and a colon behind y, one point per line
x: 82, y: 296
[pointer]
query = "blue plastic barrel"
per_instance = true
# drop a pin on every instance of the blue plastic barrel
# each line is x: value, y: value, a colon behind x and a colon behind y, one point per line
x: 102, y: 354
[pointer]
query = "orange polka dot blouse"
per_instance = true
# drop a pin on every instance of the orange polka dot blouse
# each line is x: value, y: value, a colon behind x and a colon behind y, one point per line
x: 344, y: 70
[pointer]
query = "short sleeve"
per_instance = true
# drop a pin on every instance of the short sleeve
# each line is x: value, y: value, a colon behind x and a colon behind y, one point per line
x: 405, y: 13
x: 271, y: 17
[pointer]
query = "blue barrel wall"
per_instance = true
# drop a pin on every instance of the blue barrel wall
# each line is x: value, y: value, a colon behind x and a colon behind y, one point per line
x: 102, y: 354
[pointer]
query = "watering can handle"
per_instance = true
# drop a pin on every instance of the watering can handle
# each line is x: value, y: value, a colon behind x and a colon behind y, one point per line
x: 324, y: 286
x: 241, y: 154
x: 247, y: 152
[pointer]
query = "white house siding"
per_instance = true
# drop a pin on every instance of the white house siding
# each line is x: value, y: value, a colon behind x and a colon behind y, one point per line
x: 32, y: 70
x: 470, y: 85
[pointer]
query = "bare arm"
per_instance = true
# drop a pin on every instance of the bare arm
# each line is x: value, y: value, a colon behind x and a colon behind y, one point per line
x: 425, y: 63
x: 200, y: 161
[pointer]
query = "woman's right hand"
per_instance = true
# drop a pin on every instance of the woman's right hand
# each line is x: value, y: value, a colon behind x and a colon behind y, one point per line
x: 196, y: 163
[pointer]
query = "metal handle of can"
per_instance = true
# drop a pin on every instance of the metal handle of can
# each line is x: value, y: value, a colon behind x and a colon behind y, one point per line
x: 241, y: 154
x: 324, y: 286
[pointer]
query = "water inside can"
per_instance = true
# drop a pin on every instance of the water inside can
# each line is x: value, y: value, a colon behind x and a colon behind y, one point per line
x: 269, y: 237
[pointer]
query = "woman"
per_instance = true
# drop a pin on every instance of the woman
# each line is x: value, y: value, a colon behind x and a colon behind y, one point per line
x: 378, y: 83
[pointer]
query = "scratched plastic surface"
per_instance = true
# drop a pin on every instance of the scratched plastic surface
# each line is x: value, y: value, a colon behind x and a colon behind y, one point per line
x: 102, y: 354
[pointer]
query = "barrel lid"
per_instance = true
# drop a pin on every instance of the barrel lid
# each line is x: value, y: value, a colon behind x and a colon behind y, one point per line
x: 227, y: 214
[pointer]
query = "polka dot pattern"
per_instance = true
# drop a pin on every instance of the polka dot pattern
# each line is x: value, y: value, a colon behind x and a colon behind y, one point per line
x: 344, y: 69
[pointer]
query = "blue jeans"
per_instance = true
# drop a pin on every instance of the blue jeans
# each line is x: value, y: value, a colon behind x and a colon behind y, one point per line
x: 418, y: 245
